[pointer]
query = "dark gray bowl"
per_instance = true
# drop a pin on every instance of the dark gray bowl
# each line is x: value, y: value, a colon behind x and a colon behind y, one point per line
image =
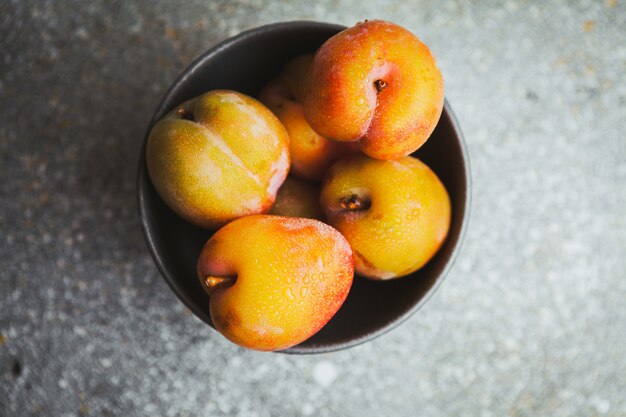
x: 245, y: 63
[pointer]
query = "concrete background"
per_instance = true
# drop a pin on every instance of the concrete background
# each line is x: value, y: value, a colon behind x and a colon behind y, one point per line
x: 531, y: 321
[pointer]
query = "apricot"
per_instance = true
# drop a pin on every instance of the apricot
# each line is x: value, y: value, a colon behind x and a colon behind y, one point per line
x: 395, y: 214
x: 274, y: 281
x: 375, y: 83
x: 218, y: 157
x: 298, y: 198
x: 311, y: 154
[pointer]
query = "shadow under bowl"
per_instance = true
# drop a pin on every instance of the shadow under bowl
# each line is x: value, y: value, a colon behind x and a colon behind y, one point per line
x: 245, y: 63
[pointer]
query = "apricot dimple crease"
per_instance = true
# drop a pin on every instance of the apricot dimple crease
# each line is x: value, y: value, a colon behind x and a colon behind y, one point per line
x: 278, y: 173
x: 221, y: 144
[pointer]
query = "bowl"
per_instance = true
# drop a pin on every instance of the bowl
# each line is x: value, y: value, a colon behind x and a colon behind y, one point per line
x: 245, y: 63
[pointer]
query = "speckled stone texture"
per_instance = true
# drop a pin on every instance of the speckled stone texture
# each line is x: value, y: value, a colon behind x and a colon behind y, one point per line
x: 530, y: 322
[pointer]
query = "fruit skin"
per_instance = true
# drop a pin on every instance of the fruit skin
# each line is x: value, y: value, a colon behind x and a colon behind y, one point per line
x: 311, y: 154
x: 228, y: 162
x: 404, y: 218
x: 292, y: 275
x: 298, y: 198
x: 342, y: 101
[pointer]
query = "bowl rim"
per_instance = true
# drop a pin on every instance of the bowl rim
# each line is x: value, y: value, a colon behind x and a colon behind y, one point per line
x: 172, y: 282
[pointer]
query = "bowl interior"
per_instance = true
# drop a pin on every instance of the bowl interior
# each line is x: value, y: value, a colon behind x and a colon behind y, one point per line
x: 245, y: 63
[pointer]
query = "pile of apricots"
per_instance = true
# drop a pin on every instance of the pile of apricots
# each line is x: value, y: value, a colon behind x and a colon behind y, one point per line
x: 309, y: 184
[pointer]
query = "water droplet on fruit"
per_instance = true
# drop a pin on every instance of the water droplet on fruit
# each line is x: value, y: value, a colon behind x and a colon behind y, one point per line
x: 413, y: 214
x: 304, y: 291
x: 290, y: 294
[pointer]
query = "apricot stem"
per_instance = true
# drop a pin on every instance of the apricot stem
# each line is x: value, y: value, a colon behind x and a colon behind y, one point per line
x: 353, y: 202
x: 184, y: 114
x: 380, y: 85
x: 215, y: 282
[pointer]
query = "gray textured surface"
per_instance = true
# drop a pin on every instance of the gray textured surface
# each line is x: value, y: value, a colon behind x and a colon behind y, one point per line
x: 531, y: 321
